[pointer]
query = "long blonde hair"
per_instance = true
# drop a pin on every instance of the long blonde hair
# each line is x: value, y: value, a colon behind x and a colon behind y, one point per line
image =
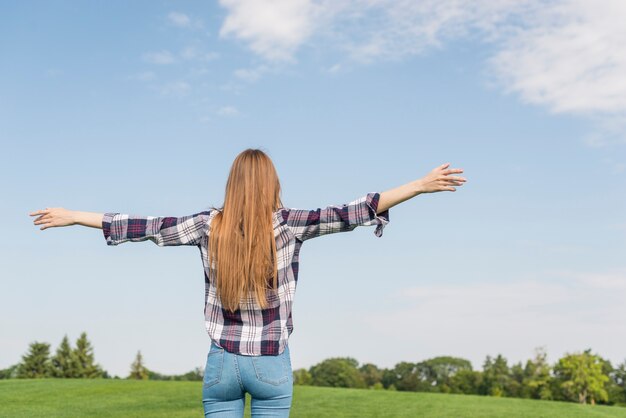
x: 242, y: 243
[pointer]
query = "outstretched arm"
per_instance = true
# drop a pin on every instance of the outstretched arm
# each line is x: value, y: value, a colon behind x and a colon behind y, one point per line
x: 307, y: 224
x: 437, y: 180
x: 120, y: 227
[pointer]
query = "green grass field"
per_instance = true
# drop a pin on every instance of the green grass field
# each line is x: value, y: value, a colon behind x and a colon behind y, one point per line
x: 128, y: 398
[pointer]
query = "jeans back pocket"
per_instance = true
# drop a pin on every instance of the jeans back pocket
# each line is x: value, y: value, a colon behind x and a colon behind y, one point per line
x: 274, y: 370
x: 214, y: 366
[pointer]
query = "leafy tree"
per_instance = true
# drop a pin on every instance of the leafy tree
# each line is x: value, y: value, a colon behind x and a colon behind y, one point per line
x: 435, y: 374
x: 137, y: 369
x: 618, y: 390
x: 402, y: 377
x: 63, y: 364
x: 537, y: 379
x: 515, y: 387
x: 9, y: 372
x: 389, y: 378
x: 496, y: 377
x: 337, y: 372
x: 466, y: 381
x: 83, y: 358
x: 195, y: 375
x: 581, y: 377
x: 151, y: 375
x: 302, y: 377
x: 371, y: 374
x: 36, y: 362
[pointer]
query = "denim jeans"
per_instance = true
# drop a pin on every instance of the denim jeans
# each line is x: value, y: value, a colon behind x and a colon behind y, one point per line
x: 228, y: 376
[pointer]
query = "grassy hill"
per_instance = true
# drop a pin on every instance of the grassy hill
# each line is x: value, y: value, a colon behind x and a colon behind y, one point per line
x: 127, y: 398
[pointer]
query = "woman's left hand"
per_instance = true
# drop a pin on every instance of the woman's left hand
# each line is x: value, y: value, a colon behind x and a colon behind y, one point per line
x: 53, y: 217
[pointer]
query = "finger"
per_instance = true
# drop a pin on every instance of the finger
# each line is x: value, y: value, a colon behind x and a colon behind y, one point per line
x: 46, y: 225
x: 455, y: 180
x: 38, y: 212
x: 43, y: 217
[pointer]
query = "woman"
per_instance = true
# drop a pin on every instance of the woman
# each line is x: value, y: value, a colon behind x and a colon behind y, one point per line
x: 250, y: 249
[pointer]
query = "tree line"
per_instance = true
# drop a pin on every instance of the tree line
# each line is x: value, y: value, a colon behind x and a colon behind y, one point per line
x: 576, y: 377
x: 581, y: 377
x: 79, y: 362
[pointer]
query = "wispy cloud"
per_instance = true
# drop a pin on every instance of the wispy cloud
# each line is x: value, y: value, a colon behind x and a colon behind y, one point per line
x: 183, y: 20
x: 187, y: 53
x: 162, y: 57
x: 191, y: 52
x: 365, y: 29
x: 227, y: 111
x: 568, y: 56
x: 250, y: 75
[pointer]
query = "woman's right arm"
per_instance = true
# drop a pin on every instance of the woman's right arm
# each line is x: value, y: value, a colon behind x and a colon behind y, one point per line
x: 436, y: 181
x: 58, y: 217
x: 120, y: 227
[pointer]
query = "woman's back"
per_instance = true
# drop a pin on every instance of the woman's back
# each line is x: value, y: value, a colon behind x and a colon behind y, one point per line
x: 252, y: 330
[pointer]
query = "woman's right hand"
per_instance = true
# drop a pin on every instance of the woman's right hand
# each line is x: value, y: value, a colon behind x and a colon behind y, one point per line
x: 53, y: 217
x: 439, y: 179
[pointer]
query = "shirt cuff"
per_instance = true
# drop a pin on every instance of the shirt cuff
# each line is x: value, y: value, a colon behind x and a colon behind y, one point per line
x: 380, y: 220
x: 107, y: 219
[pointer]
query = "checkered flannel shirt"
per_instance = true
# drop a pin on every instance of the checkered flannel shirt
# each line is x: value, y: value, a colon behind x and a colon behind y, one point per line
x: 249, y: 330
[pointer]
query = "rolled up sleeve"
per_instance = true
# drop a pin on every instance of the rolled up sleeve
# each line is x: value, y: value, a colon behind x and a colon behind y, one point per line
x: 307, y: 224
x: 118, y: 228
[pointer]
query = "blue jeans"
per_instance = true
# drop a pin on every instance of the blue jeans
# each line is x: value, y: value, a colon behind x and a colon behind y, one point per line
x: 228, y: 376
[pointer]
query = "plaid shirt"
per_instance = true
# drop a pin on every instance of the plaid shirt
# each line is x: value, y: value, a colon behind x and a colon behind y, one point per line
x: 250, y: 330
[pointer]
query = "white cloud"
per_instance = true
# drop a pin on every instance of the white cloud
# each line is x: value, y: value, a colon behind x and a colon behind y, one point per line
x: 179, y: 19
x: 571, y: 57
x: 334, y: 69
x: 566, y: 55
x: 191, y: 52
x: 366, y: 29
x: 161, y: 57
x: 227, y: 111
x: 250, y: 74
x: 273, y: 28
x: 564, y: 310
x: 183, y: 20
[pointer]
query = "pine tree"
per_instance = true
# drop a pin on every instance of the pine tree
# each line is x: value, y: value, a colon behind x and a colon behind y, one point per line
x: 537, y: 377
x: 137, y: 369
x: 63, y: 364
x: 83, y: 359
x: 35, y: 363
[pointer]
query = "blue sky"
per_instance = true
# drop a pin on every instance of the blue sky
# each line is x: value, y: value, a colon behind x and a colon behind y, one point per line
x: 141, y: 108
